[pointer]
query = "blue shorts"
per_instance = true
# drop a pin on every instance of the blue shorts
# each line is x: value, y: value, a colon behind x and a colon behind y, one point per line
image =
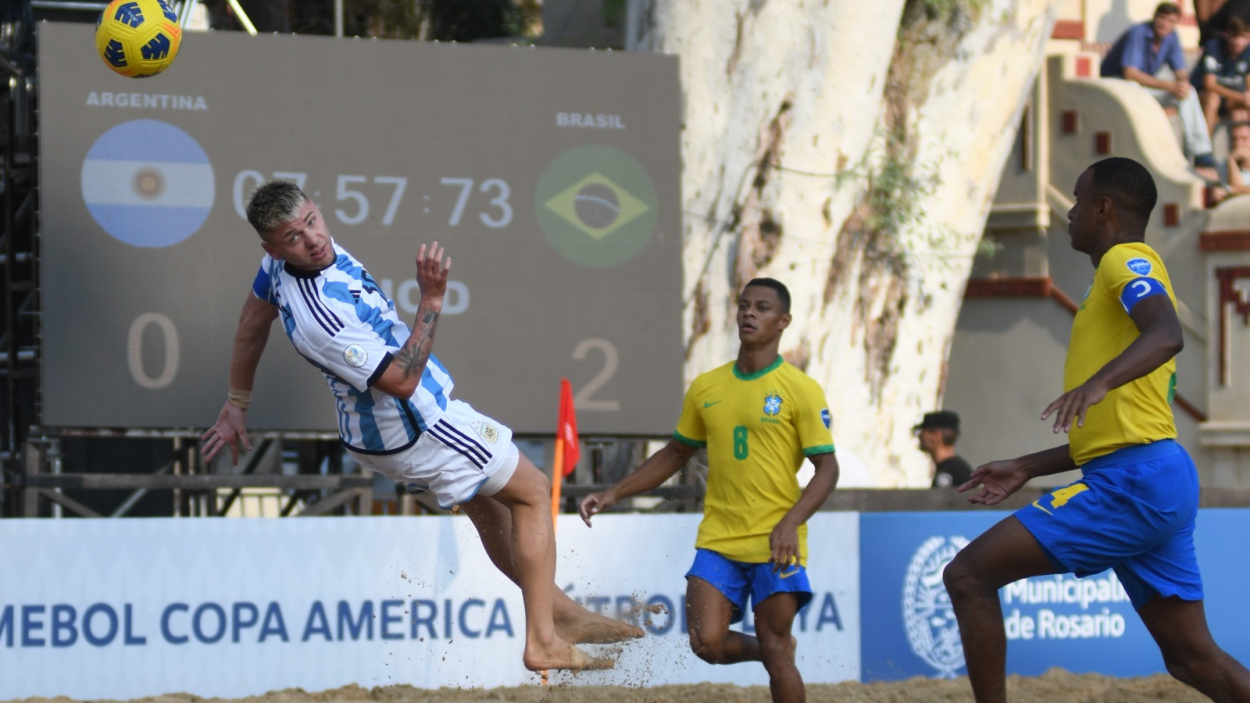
x: 737, y: 580
x: 1133, y: 511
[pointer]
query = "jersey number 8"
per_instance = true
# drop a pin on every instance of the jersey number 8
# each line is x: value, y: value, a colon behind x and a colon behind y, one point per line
x: 740, y: 442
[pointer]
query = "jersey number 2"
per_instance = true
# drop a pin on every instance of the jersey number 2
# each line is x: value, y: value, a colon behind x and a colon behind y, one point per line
x: 740, y: 442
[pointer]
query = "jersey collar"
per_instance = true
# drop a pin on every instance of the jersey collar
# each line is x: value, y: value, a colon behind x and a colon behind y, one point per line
x: 752, y: 376
x: 301, y: 273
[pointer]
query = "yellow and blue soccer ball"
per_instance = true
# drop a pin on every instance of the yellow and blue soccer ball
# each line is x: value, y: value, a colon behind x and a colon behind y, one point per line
x: 138, y: 38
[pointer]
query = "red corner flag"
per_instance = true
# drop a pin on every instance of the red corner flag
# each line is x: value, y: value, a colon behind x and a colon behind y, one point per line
x: 566, y: 446
x: 567, y: 430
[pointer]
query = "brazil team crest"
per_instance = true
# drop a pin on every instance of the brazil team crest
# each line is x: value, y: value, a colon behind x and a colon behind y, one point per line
x: 772, y: 404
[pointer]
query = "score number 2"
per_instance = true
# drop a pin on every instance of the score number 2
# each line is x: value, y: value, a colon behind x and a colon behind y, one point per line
x: 584, y: 398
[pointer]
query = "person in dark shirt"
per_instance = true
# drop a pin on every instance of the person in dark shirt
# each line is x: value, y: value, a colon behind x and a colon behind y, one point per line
x: 1222, y: 75
x: 1213, y: 16
x: 938, y: 433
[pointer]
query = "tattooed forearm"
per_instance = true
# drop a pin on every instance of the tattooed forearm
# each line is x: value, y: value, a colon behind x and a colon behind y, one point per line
x: 411, y: 359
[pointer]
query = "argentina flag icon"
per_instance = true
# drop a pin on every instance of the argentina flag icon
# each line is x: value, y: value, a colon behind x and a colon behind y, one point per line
x: 148, y: 183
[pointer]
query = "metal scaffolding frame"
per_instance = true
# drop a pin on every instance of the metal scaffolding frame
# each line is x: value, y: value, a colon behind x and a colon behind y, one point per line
x: 19, y: 313
x: 38, y: 473
x: 32, y: 483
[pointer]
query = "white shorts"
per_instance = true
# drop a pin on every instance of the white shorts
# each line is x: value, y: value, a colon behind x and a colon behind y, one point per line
x: 462, y: 454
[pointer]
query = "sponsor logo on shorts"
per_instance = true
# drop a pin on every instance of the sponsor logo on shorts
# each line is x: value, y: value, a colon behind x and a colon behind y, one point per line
x: 489, y: 432
x: 1139, y: 266
x: 928, y: 616
x: 355, y: 355
x: 1060, y: 498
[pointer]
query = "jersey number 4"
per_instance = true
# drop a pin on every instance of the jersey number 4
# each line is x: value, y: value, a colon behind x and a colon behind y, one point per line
x: 1060, y: 498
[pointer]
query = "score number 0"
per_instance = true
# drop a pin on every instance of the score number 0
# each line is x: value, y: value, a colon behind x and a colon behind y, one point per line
x: 584, y: 398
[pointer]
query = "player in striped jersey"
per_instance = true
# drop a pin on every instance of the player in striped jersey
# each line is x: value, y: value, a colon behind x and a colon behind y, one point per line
x: 395, y: 410
x: 1134, y: 508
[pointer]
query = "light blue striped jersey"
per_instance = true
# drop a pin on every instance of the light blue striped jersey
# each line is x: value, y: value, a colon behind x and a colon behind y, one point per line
x: 340, y: 321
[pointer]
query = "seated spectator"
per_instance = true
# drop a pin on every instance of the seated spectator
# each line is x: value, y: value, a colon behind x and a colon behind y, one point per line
x: 1140, y: 54
x: 1221, y: 75
x: 1235, y: 173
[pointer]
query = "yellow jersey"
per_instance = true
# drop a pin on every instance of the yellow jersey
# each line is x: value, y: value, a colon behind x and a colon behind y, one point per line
x: 757, y: 428
x: 1140, y: 411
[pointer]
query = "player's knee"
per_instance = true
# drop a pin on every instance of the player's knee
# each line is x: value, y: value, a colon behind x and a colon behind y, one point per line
x: 528, y: 486
x: 776, y: 652
x: 1193, y: 667
x: 539, y: 482
x: 959, y: 578
x: 1184, y: 670
x: 538, y: 488
x: 709, y: 649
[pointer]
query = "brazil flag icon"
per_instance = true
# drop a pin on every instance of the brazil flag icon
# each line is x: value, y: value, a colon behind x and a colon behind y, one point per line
x: 596, y: 205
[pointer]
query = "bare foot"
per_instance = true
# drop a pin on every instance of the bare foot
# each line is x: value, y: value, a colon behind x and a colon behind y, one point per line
x: 581, y: 626
x: 573, y: 659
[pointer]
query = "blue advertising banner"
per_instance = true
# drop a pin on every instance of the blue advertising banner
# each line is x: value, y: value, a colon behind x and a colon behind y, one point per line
x: 1223, y: 559
x: 1082, y: 625
x: 909, y: 628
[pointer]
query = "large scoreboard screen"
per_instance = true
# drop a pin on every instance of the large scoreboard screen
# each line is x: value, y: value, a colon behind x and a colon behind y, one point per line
x: 551, y: 176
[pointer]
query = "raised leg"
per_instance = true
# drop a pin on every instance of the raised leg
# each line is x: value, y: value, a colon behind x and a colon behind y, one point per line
x: 774, y: 618
x: 709, y: 612
x: 526, y: 496
x: 573, y: 622
x: 1190, y: 653
x: 1007, y: 552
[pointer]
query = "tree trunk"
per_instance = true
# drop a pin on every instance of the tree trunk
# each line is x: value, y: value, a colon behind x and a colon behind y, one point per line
x: 850, y: 149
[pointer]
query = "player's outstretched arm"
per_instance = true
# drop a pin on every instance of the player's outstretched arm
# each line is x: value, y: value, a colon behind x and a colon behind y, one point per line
x: 655, y: 470
x: 999, y: 479
x: 1160, y: 340
x: 784, y: 540
x: 403, y: 375
x: 249, y: 344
